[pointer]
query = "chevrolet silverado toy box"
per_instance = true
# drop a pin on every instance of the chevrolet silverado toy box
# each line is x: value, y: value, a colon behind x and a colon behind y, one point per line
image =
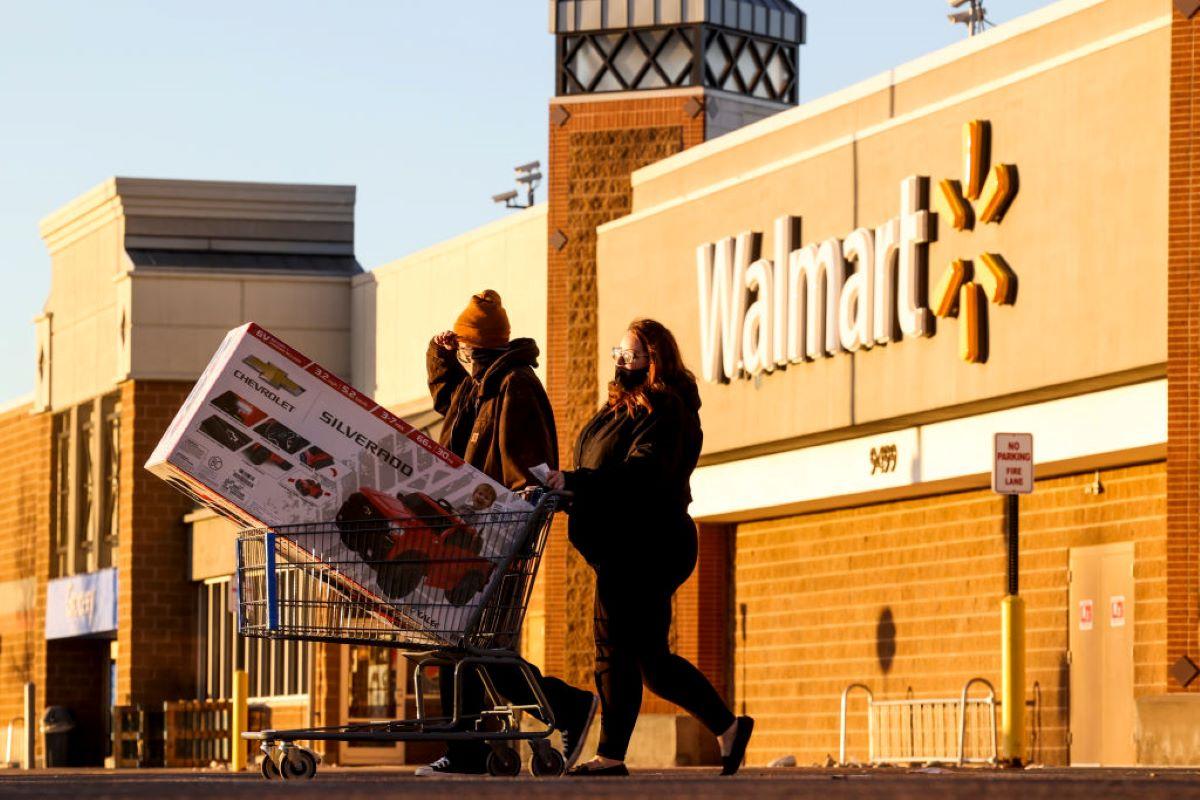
x: 270, y: 438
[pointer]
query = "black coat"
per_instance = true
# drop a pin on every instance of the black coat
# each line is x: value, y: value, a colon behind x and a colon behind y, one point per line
x: 631, y: 489
x: 501, y: 424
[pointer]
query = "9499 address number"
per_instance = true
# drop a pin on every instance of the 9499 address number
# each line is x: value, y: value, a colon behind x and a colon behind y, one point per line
x: 883, y: 459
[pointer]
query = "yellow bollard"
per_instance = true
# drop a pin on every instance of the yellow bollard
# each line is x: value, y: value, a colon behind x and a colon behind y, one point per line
x: 1012, y: 681
x: 237, y: 745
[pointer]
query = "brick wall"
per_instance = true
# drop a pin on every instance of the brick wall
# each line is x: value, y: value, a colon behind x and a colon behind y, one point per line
x: 817, y: 588
x: 1183, y: 348
x: 283, y: 717
x: 24, y: 553
x: 592, y: 154
x: 157, y: 600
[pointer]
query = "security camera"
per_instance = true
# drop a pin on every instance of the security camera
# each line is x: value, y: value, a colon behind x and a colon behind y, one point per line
x: 957, y: 3
x: 531, y: 177
x: 530, y: 167
x: 504, y: 198
x: 966, y: 17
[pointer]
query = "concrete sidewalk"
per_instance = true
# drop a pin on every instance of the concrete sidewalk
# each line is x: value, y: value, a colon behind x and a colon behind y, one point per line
x: 335, y: 783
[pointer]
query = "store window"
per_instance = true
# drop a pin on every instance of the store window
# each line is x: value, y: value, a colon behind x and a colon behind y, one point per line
x: 86, y: 468
x: 375, y: 690
x: 275, y: 669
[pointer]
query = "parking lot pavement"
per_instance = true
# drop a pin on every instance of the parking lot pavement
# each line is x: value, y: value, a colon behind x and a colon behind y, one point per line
x: 693, y: 784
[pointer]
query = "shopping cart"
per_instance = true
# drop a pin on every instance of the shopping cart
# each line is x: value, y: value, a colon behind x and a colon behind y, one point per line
x: 449, y: 589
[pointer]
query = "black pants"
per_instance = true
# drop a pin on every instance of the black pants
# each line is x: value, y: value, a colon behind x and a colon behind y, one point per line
x: 512, y: 686
x: 632, y: 625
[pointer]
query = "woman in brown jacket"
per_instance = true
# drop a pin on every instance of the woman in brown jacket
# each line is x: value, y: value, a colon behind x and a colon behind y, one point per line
x: 629, y: 519
x: 497, y: 415
x: 497, y: 419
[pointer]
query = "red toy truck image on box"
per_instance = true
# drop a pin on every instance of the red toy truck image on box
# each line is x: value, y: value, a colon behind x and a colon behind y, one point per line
x: 240, y: 409
x: 306, y: 487
x: 412, y: 538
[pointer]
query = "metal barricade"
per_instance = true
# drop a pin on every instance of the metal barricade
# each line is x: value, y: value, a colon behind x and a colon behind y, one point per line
x: 955, y: 730
x: 9, y: 761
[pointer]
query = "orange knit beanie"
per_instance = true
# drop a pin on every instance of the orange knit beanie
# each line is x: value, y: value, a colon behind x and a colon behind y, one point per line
x: 484, y: 322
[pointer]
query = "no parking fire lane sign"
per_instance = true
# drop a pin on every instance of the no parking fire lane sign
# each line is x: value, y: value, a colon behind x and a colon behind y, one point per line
x: 1012, y: 463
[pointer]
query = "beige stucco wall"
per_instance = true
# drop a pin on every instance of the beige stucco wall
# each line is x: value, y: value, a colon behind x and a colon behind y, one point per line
x: 1079, y: 105
x: 966, y: 67
x: 84, y: 325
x: 178, y: 319
x: 399, y: 306
x: 106, y: 320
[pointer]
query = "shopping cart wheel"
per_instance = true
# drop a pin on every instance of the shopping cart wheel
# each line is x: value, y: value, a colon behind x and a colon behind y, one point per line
x: 547, y: 762
x: 268, y: 769
x: 504, y: 762
x: 297, y: 765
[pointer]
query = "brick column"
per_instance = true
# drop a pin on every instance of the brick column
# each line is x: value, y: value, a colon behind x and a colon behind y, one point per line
x: 25, y: 504
x: 1183, y: 347
x: 595, y: 144
x: 156, y: 601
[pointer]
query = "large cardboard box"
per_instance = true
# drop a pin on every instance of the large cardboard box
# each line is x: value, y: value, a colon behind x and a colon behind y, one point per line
x: 270, y: 438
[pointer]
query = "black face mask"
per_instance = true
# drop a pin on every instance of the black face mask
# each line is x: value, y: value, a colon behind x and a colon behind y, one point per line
x: 630, y: 379
x: 481, y: 360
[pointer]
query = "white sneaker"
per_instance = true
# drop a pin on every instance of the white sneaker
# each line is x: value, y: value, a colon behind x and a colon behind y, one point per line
x: 442, y: 768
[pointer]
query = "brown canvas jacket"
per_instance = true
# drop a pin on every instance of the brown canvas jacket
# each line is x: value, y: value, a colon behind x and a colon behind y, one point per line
x: 501, y: 424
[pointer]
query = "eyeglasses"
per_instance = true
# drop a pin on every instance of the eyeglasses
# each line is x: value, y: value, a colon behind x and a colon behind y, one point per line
x: 470, y: 355
x: 626, y: 356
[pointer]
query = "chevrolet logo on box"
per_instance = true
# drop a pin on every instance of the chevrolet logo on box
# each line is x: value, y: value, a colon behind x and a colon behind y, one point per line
x: 274, y: 376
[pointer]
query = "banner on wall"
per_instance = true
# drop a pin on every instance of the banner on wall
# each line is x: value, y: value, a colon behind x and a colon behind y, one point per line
x: 82, y: 605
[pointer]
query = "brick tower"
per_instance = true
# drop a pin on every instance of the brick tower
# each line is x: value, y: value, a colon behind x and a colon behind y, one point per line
x: 636, y: 81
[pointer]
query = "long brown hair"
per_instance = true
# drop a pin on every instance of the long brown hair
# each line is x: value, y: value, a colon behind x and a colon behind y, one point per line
x: 666, y: 370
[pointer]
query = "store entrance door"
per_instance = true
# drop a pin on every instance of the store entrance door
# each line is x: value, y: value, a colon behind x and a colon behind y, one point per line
x: 78, y: 678
x: 1101, y: 655
x: 372, y: 692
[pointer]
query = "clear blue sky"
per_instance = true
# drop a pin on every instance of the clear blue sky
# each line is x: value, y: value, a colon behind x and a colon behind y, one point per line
x: 424, y: 105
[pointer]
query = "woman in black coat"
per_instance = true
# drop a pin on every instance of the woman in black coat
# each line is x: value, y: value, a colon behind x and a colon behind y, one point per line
x: 628, y: 518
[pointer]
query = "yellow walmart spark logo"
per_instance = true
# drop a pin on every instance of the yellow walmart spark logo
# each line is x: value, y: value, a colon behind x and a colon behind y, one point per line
x: 967, y: 285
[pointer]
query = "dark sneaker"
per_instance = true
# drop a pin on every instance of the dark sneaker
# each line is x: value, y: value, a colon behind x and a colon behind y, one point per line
x: 444, y: 766
x: 737, y: 754
x: 574, y: 724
